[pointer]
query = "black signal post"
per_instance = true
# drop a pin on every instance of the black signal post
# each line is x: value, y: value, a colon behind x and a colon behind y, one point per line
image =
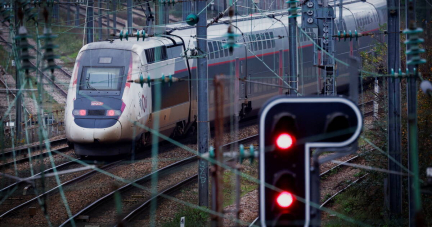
x: 289, y: 127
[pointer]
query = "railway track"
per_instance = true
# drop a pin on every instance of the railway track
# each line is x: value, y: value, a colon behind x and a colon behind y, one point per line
x: 121, y: 24
x: 13, y: 94
x: 140, y: 199
x: 34, y: 156
x: 55, y: 189
x: 9, y: 152
x: 46, y: 77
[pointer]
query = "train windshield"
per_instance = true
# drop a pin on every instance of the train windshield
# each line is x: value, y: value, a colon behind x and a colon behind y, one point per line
x: 98, y: 78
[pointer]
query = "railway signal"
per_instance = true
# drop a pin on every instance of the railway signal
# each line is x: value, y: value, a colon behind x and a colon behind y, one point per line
x: 289, y: 128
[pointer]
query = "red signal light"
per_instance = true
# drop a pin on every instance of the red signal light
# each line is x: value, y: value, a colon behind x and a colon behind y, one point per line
x: 82, y: 112
x: 285, y: 199
x: 284, y: 141
x: 110, y: 113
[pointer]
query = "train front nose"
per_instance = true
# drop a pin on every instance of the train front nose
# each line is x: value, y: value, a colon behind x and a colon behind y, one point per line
x: 97, y: 141
x: 95, y: 130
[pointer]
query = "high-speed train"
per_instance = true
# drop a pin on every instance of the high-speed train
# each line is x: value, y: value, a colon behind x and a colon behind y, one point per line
x: 106, y: 113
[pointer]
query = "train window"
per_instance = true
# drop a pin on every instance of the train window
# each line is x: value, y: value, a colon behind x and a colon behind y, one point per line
x: 272, y: 40
x: 254, y: 45
x: 268, y: 40
x: 210, y: 50
x: 225, y: 49
x: 101, y: 78
x: 150, y: 55
x: 258, y: 38
x: 216, y: 49
x: 263, y: 41
x: 221, y: 53
x: 156, y: 54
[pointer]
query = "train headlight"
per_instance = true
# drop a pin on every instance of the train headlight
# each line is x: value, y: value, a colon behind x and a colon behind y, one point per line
x: 112, y: 113
x: 79, y: 112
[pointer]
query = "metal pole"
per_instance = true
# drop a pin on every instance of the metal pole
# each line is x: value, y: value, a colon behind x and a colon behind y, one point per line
x: 394, y: 109
x: 292, y: 42
x: 203, y: 124
x: 18, y: 81
x: 108, y: 4
x: 77, y: 14
x: 217, y: 170
x: 186, y: 9
x: 115, y: 17
x: 90, y: 21
x: 129, y: 16
x: 414, y: 197
x: 340, y: 15
x: 68, y: 13
x: 100, y: 19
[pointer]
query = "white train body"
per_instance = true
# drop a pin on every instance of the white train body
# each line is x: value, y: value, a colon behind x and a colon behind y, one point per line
x: 106, y: 114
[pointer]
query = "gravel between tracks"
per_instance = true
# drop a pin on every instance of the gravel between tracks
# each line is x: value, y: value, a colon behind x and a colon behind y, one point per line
x: 107, y: 215
x: 83, y: 193
x: 23, y: 169
x: 42, y: 185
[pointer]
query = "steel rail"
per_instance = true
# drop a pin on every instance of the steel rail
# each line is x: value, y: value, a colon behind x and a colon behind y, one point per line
x: 74, y: 180
x: 172, y: 188
x: 13, y: 94
x: 63, y: 92
x: 126, y: 187
x: 342, y: 190
x: 169, y: 191
x: 45, y: 172
x: 63, y: 149
x: 96, y: 14
x: 9, y: 152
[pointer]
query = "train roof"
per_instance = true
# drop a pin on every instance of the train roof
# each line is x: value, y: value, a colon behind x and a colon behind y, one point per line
x: 131, y: 44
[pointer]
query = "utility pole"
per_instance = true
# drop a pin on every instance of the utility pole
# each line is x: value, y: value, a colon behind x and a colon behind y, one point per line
x: 17, y: 78
x: 186, y: 9
x: 292, y: 42
x: 394, y: 108
x: 129, y: 16
x: 77, y: 14
x: 68, y: 12
x: 203, y: 124
x: 115, y: 17
x: 90, y: 23
x: 413, y: 61
x: 100, y: 19
x: 108, y: 6
x: 318, y: 14
x: 217, y: 170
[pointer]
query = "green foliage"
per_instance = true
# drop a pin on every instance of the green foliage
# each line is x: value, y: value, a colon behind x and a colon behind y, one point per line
x: 193, y: 217
x: 365, y: 201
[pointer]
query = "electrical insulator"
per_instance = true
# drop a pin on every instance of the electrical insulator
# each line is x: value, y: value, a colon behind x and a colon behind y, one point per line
x: 124, y: 35
x: 231, y: 39
x: 414, y: 43
x: 242, y: 154
x: 49, y: 47
x: 293, y: 8
x: 24, y: 46
x: 141, y: 33
x: 192, y: 19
